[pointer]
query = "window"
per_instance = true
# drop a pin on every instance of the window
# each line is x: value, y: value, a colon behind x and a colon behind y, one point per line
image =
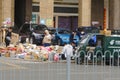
x: 65, y: 10
x: 92, y: 41
x: 35, y: 9
x: 84, y: 39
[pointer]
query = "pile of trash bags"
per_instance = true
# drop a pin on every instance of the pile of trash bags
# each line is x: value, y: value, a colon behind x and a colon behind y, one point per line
x: 31, y: 52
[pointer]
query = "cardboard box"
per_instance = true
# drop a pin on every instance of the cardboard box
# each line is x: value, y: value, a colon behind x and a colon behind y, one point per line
x: 7, y: 54
x: 27, y: 57
x: 36, y: 57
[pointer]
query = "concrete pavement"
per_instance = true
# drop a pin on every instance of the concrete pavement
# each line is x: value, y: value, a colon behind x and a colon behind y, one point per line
x: 12, y: 69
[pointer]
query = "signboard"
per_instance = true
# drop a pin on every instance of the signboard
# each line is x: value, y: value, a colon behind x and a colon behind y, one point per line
x: 94, y: 23
x: 49, y: 22
x: 112, y: 43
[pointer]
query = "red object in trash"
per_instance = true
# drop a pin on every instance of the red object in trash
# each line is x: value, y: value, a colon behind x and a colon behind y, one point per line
x: 3, y: 50
x: 12, y: 48
x: 56, y: 57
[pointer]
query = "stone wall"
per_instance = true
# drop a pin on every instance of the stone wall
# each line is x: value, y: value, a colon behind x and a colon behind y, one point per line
x: 84, y: 18
x: 7, y: 12
x: 46, y: 12
x: 0, y: 12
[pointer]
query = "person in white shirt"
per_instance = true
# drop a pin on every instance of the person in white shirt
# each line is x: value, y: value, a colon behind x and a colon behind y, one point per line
x: 47, y: 39
x: 67, y: 50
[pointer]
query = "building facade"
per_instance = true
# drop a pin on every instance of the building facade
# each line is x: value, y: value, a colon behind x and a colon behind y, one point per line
x: 61, y: 13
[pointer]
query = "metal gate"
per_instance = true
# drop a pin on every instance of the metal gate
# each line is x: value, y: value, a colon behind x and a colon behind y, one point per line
x: 92, y: 66
x: 99, y: 67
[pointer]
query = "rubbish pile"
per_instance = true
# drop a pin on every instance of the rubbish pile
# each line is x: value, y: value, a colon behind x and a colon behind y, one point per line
x: 31, y: 52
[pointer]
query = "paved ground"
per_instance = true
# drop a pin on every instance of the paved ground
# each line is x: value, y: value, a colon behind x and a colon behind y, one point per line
x: 11, y: 69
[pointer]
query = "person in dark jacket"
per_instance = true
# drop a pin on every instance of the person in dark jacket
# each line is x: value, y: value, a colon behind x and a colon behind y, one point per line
x: 8, y: 36
x: 72, y: 37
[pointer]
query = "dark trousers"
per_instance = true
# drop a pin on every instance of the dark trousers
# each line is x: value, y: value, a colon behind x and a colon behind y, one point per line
x: 7, y: 42
x: 46, y: 44
x: 63, y: 56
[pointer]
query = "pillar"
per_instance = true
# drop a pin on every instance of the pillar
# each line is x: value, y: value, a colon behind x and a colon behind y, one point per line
x: 28, y: 10
x: 111, y: 15
x: 116, y: 14
x: 84, y: 18
x: 0, y: 12
x: 56, y: 21
x: 106, y: 6
x: 8, y: 12
x: 46, y: 12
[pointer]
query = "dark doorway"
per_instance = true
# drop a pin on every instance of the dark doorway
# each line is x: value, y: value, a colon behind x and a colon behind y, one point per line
x: 68, y: 22
x: 23, y: 12
x: 19, y: 12
x: 97, y: 13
